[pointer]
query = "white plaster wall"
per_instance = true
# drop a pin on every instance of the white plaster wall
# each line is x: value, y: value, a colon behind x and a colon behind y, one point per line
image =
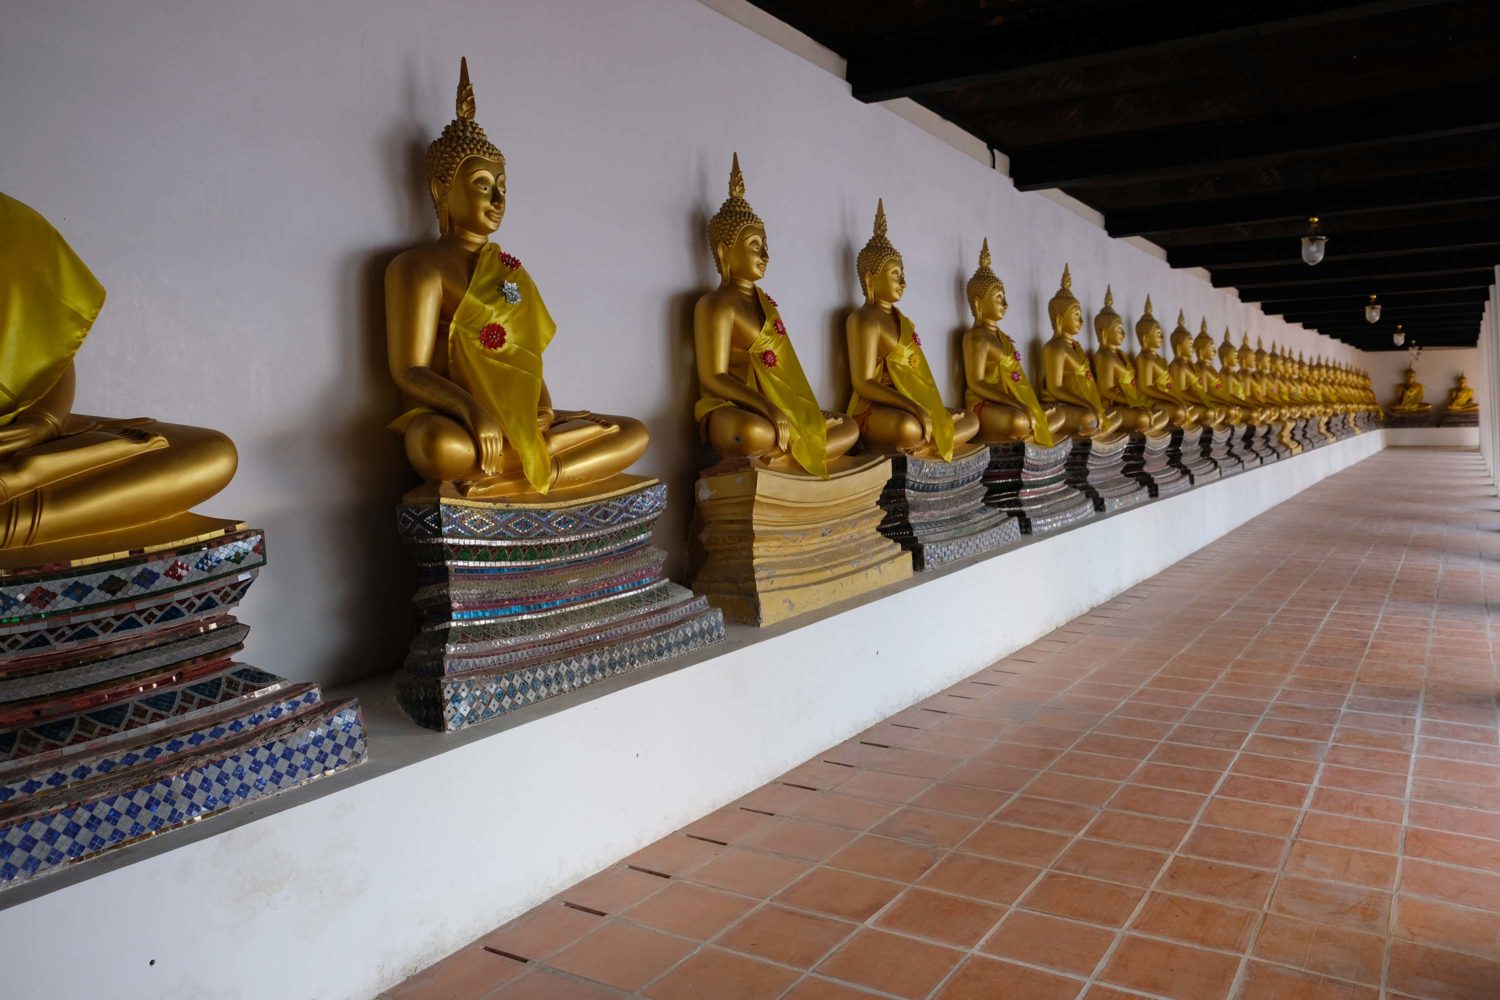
x: 1438, y: 370
x: 1489, y: 379
x: 238, y: 174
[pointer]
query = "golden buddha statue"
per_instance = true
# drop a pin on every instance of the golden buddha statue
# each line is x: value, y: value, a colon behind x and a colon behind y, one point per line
x: 1461, y: 397
x: 1153, y: 375
x: 65, y: 477
x: 1236, y: 384
x: 465, y: 331
x: 1210, y: 379
x: 996, y: 388
x: 1114, y: 373
x: 756, y: 401
x: 1409, y: 395
x: 1185, y: 379
x: 1068, y: 385
x: 896, y: 401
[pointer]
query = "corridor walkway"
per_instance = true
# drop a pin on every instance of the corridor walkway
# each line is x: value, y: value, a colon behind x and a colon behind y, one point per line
x: 1271, y: 771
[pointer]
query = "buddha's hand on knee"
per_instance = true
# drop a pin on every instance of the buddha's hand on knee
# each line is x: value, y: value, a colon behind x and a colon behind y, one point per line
x: 926, y: 422
x: 489, y: 438
x: 783, y: 430
x: 25, y: 433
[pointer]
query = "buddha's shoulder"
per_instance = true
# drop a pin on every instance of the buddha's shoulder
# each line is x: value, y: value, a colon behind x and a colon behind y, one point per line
x: 424, y: 262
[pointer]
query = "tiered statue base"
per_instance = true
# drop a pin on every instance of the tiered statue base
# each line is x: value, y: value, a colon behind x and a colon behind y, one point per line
x: 1469, y: 418
x: 1218, y: 447
x: 1249, y: 444
x: 1030, y: 482
x: 1096, y: 468
x: 936, y: 509
x: 1186, y: 452
x: 122, y: 711
x: 524, y: 600
x: 776, y: 545
x: 1147, y: 461
x: 1273, y: 441
x: 1369, y: 420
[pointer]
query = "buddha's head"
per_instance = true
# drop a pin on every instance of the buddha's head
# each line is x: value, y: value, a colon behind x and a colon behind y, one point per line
x: 1109, y: 327
x: 1463, y: 380
x: 985, y: 291
x: 737, y: 236
x: 881, y: 272
x: 1203, y: 344
x: 1147, y: 329
x: 1411, y: 375
x: 1247, y: 354
x: 1262, y: 359
x: 1182, y: 339
x: 1229, y: 357
x: 465, y: 171
x: 1064, y: 310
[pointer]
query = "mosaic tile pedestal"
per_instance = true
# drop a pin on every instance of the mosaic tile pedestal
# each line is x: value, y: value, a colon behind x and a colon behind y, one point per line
x: 1470, y: 419
x: 936, y: 510
x: 524, y: 600
x: 1096, y: 468
x: 775, y: 545
x: 123, y: 713
x: 1030, y: 482
x: 1148, y: 462
x: 1273, y: 442
x: 1218, y: 446
x: 1187, y: 452
x: 1249, y: 445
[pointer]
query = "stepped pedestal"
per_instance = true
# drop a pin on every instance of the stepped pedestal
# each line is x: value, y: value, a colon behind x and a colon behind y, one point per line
x: 1218, y: 446
x: 1186, y: 452
x: 936, y: 510
x: 775, y: 545
x: 522, y: 601
x: 1248, y: 444
x: 1030, y: 482
x: 1096, y: 468
x: 123, y: 713
x: 1148, y: 462
x: 1450, y: 419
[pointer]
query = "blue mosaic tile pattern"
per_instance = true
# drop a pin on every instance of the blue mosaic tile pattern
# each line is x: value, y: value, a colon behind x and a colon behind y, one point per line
x: 501, y: 522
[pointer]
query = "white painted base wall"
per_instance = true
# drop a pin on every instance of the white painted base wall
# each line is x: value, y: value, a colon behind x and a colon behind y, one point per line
x: 346, y: 893
x: 1432, y: 437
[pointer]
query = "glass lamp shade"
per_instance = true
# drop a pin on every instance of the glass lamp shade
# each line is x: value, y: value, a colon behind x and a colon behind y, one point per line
x: 1372, y: 311
x: 1399, y: 337
x: 1313, y: 248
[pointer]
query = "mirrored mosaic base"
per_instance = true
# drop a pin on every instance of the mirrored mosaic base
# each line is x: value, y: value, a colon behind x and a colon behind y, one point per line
x: 1030, y: 483
x: 936, y: 509
x: 122, y: 711
x: 1248, y: 445
x: 1271, y: 443
x: 1187, y: 453
x: 1470, y: 419
x: 1147, y: 461
x: 1097, y: 469
x: 1395, y: 418
x: 774, y: 545
x: 1218, y: 446
x: 523, y: 601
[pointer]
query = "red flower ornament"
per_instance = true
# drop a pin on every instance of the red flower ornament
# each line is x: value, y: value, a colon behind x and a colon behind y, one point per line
x: 492, y: 337
x: 770, y: 300
x: 1015, y: 376
x: 768, y: 358
x: 916, y: 338
x: 1016, y: 356
x: 510, y: 260
x: 779, y: 327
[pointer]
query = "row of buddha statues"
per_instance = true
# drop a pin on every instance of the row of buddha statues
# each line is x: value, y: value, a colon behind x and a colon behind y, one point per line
x: 1409, y: 405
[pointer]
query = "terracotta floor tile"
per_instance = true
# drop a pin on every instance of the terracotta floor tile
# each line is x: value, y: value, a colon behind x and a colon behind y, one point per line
x: 817, y: 988
x: 1195, y: 921
x: 790, y: 937
x: 961, y: 800
x: 891, y: 963
x: 1182, y: 779
x: 883, y: 787
x: 1042, y: 940
x: 542, y: 931
x: 1453, y: 849
x: 1158, y: 802
x: 1443, y: 925
x: 1254, y: 817
x: 1216, y: 880
x: 613, y: 890
x: 930, y: 829
x: 1093, y: 765
x: 944, y: 918
x: 982, y: 878
x: 1436, y: 974
x: 622, y: 955
x: 1111, y: 862
x: 845, y: 810
x: 886, y: 858
x: 1450, y: 819
x: 1346, y: 831
x: 545, y: 984
x: 729, y: 825
x: 1275, y: 793
x: 995, y: 777
x: 783, y: 800
x: 1342, y: 864
x: 1137, y: 830
x: 840, y: 894
x: 1275, y: 768
x: 1083, y: 899
x: 1322, y: 948
x: 1046, y: 814
x: 1357, y: 805
x: 1331, y: 903
x: 472, y: 972
x: 800, y: 838
x: 1170, y: 970
x: 690, y: 910
x: 1020, y: 844
x: 750, y: 872
x: 1238, y: 847
x: 724, y: 976
x: 674, y: 855
x: 1273, y: 982
x: 1463, y: 886
x: 987, y: 979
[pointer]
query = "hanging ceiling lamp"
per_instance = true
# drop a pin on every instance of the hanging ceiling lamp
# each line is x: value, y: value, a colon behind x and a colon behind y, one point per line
x: 1313, y: 244
x: 1399, y: 336
x: 1372, y: 311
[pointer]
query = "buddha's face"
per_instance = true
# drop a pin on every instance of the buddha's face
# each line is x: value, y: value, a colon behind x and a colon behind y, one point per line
x: 1205, y: 352
x: 475, y: 202
x: 889, y: 283
x: 1071, y: 320
x: 1151, y: 338
x: 990, y: 306
x: 1463, y: 382
x: 1247, y: 359
x: 1113, y: 334
x: 749, y: 256
x: 1411, y: 376
x: 1182, y: 344
x: 1230, y: 361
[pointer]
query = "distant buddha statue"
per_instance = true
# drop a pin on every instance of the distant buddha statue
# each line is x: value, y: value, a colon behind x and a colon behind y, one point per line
x: 1068, y: 386
x: 465, y: 331
x: 1211, y: 379
x: 996, y: 388
x: 1153, y: 375
x: 1185, y: 379
x: 1461, y: 397
x: 896, y: 401
x: 64, y: 476
x: 1114, y: 373
x: 756, y: 401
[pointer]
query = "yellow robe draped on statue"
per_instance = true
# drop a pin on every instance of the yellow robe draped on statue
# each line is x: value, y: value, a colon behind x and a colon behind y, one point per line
x: 1009, y: 375
x: 905, y: 369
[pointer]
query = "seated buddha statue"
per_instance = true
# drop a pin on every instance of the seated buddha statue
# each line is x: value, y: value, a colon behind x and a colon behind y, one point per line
x: 66, y: 477
x: 1068, y: 385
x: 1461, y: 397
x: 1409, y: 395
x: 1114, y: 374
x: 996, y: 388
x: 756, y: 401
x: 1211, y: 380
x: 1153, y: 376
x: 1185, y: 380
x: 1251, y: 385
x: 465, y: 330
x: 1236, y: 386
x: 896, y: 401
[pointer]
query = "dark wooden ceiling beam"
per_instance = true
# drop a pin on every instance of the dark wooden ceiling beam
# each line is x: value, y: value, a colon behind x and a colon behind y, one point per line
x: 910, y: 67
x: 1356, y: 301
x: 1460, y: 281
x: 1449, y: 188
x: 1364, y: 245
x: 1376, y: 271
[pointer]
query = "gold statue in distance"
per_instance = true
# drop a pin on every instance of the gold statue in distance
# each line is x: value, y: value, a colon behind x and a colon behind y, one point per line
x: 1461, y: 397
x: 996, y: 389
x: 1068, y: 386
x: 1186, y: 383
x: 1154, y: 377
x: 756, y: 401
x: 896, y: 401
x: 465, y: 331
x: 1114, y: 372
x: 1409, y: 395
x: 65, y: 477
